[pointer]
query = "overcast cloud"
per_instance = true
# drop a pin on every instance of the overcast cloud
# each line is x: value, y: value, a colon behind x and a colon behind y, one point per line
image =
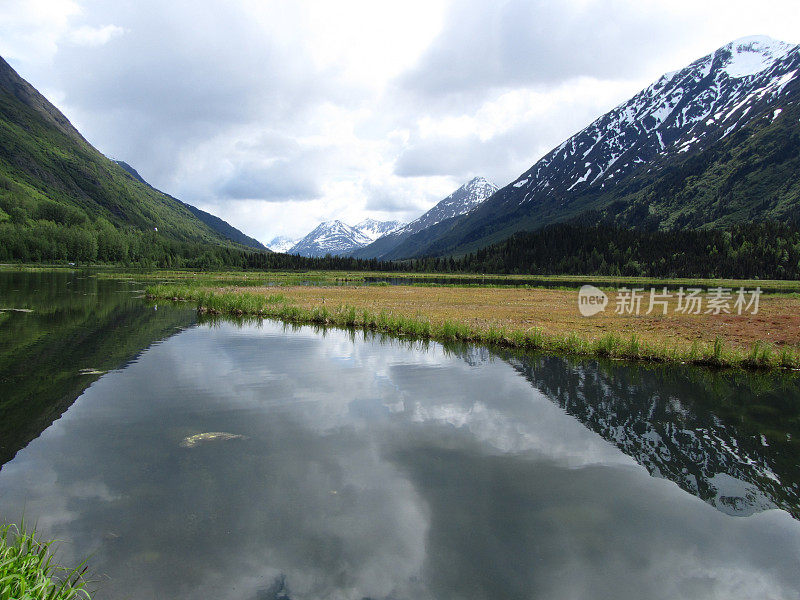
x: 277, y: 115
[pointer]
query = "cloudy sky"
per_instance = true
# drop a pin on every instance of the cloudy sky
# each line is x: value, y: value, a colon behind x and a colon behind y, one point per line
x: 276, y: 115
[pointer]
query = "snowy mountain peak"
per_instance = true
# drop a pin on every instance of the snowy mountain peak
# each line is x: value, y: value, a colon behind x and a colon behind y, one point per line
x: 681, y: 112
x: 338, y: 238
x: 330, y: 237
x: 373, y: 229
x: 460, y: 202
x: 479, y: 182
x: 750, y: 55
x: 281, y: 244
x: 480, y: 186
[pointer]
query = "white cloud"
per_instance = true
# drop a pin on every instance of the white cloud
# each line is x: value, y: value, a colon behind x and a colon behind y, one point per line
x: 30, y: 30
x: 94, y: 36
x: 277, y: 115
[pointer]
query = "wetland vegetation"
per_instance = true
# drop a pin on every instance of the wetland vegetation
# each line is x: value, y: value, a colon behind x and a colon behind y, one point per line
x: 539, y: 318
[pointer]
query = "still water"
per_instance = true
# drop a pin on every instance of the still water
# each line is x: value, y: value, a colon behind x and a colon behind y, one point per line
x: 359, y: 466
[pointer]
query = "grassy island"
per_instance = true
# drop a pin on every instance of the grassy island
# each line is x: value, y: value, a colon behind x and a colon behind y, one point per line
x: 540, y: 318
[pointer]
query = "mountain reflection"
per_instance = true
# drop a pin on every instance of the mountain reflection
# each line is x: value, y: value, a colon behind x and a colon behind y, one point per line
x: 363, y: 466
x: 730, y: 438
x: 74, y: 329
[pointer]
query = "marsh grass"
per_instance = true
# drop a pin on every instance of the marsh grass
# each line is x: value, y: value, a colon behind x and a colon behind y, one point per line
x: 609, y: 345
x: 28, y: 570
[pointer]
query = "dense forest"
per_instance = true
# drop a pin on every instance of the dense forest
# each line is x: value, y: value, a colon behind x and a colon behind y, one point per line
x: 61, y: 235
x: 763, y: 250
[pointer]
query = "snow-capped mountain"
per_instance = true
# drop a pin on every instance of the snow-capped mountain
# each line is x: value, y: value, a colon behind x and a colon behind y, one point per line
x: 747, y: 83
x: 330, y: 237
x: 693, y: 107
x: 374, y: 229
x: 460, y: 202
x: 338, y: 238
x: 281, y: 244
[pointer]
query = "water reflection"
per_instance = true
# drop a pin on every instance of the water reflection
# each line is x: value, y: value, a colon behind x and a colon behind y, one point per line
x: 59, y: 331
x: 371, y: 467
x: 733, y: 439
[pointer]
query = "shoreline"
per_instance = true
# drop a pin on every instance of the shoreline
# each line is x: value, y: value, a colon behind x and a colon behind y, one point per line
x: 279, y: 304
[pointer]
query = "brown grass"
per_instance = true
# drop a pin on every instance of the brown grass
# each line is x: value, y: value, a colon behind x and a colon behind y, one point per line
x: 556, y: 312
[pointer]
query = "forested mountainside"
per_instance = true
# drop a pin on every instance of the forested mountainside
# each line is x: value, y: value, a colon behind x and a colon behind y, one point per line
x: 712, y: 145
x: 62, y: 200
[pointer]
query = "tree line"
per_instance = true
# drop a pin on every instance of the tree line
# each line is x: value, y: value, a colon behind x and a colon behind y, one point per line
x: 755, y: 250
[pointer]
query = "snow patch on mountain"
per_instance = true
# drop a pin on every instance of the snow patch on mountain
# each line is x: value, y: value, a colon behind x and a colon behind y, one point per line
x: 753, y: 54
x: 281, y: 244
x: 374, y: 229
x: 338, y: 238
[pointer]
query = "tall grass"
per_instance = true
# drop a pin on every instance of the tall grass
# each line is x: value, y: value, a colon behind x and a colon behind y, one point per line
x: 28, y: 571
x: 610, y: 345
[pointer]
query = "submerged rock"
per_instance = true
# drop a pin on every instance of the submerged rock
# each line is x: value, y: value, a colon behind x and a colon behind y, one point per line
x: 211, y: 436
x: 91, y: 372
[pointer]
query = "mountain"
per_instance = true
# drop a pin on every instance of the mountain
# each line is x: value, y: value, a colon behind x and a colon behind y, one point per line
x: 61, y: 199
x: 460, y: 202
x: 330, y: 237
x: 337, y: 238
x: 281, y: 244
x: 222, y: 227
x: 375, y: 229
x: 712, y: 145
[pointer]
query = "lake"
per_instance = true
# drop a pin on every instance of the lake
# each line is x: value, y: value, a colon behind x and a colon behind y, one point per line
x: 360, y: 466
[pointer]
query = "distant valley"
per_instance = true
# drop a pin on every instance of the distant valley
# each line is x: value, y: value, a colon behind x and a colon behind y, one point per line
x: 380, y: 239
x: 713, y: 145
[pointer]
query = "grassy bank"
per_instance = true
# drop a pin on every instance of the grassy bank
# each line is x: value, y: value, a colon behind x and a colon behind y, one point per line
x: 28, y: 571
x: 257, y: 278
x: 449, y: 314
x: 289, y: 278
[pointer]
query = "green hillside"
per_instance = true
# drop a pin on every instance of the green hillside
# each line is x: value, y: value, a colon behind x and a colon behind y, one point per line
x: 61, y: 199
x: 751, y: 176
x: 227, y: 230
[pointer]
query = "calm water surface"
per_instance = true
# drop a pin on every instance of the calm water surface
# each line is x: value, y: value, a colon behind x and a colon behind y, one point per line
x: 369, y: 467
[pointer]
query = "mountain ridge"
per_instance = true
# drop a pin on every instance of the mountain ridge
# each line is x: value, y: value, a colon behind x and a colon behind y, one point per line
x: 214, y: 222
x: 61, y: 199
x: 461, y: 201
x: 340, y: 239
x: 281, y: 243
x: 680, y: 116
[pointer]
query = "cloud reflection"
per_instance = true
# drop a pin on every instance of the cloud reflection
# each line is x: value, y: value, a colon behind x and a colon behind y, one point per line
x: 369, y: 470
